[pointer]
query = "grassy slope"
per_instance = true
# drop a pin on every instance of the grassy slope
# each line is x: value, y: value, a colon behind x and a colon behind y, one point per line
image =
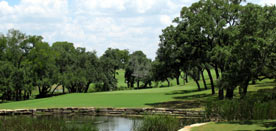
x: 181, y: 96
x: 238, y: 126
x: 175, y: 97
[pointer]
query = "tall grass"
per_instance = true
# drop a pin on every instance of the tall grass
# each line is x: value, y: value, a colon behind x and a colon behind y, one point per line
x: 157, y: 123
x: 257, y: 106
x: 28, y: 123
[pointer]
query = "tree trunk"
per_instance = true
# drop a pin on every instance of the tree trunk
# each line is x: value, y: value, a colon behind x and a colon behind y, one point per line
x: 253, y: 81
x: 39, y: 90
x: 128, y: 84
x: 177, y: 80
x: 244, y: 87
x: 16, y: 95
x: 221, y: 94
x: 217, y: 71
x: 168, y: 82
x: 204, y: 82
x: 184, y: 81
x: 87, y: 87
x: 138, y: 82
x: 63, y: 89
x: 211, y: 81
x: 132, y: 84
x: 230, y: 93
x: 178, y: 73
x: 146, y: 84
x: 55, y: 89
x: 198, y: 86
x: 186, y: 77
x: 114, y: 73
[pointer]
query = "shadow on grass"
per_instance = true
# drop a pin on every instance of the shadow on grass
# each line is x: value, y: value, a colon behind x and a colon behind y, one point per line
x: 184, y: 102
x: 183, y: 92
x: 177, y: 104
x: 193, y: 96
x: 267, y: 84
x: 270, y: 125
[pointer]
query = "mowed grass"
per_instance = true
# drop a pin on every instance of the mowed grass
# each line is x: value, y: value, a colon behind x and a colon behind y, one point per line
x: 129, y: 98
x: 238, y: 126
x: 182, y: 96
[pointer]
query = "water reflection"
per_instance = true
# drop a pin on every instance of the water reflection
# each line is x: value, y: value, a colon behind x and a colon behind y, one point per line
x: 79, y: 122
x: 115, y: 123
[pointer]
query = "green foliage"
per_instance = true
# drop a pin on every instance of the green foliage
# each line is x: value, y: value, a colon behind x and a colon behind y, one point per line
x: 111, y: 61
x: 158, y: 123
x: 42, y: 124
x: 15, y: 68
x: 261, y: 105
x: 223, y: 35
x: 43, y: 67
x: 138, y: 69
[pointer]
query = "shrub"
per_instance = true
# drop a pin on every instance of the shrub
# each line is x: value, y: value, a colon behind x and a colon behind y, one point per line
x: 261, y: 105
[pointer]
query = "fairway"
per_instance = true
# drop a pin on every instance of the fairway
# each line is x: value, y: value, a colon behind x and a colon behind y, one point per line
x: 131, y: 98
x: 185, y: 97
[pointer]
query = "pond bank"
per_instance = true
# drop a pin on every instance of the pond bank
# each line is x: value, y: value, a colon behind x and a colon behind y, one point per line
x: 106, y: 111
x: 188, y: 128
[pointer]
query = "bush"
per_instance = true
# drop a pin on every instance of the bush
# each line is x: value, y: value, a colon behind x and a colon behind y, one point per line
x: 261, y: 105
x: 158, y: 123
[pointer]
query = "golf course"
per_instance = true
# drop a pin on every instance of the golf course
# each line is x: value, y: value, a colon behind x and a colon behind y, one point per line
x: 137, y: 65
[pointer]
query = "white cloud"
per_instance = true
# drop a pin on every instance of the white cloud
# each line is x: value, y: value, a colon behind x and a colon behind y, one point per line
x: 5, y: 8
x: 144, y: 5
x: 268, y: 2
x: 95, y: 24
x: 165, y: 20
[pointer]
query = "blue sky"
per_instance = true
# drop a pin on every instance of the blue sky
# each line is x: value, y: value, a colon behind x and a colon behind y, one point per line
x: 96, y: 24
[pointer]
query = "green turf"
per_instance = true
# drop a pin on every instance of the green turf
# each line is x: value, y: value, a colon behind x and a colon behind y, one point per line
x: 238, y: 126
x: 185, y: 96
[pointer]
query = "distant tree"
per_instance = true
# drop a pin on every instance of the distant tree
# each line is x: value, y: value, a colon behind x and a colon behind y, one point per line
x: 117, y: 58
x: 64, y: 59
x: 83, y: 71
x: 44, y: 71
x: 14, y: 52
x: 108, y: 73
x: 160, y: 71
x: 138, y: 69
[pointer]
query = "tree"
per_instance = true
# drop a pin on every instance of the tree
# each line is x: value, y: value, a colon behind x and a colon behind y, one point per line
x: 167, y: 54
x: 14, y: 52
x: 64, y: 59
x: 117, y: 58
x: 139, y: 69
x: 160, y: 71
x: 44, y: 71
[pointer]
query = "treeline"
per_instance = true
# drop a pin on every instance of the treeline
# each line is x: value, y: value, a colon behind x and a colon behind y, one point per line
x: 28, y: 63
x: 235, y: 40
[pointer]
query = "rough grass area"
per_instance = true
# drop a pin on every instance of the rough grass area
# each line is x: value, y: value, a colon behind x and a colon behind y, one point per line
x: 269, y: 125
x: 45, y: 123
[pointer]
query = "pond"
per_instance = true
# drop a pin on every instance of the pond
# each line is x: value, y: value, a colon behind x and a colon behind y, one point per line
x: 91, y: 123
x: 65, y: 122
